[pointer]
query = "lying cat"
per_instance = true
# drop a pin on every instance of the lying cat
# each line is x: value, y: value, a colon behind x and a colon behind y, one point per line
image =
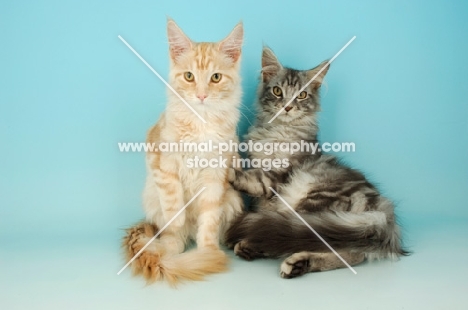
x: 335, y: 200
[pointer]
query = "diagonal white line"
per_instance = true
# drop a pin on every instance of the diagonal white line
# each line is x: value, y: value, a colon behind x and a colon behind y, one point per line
x: 160, y: 77
x: 160, y: 231
x: 313, y: 230
x: 313, y: 78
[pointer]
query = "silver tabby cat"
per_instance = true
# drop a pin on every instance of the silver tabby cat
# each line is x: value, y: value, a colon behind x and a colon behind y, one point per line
x: 337, y: 201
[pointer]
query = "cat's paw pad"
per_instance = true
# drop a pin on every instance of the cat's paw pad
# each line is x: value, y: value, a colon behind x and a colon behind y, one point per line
x: 243, y: 250
x: 292, y: 267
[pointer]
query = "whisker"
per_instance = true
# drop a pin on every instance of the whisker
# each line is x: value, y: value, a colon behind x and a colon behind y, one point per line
x: 248, y: 109
x: 248, y: 120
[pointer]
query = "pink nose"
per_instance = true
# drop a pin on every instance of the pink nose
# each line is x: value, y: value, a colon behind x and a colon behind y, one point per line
x: 202, y: 97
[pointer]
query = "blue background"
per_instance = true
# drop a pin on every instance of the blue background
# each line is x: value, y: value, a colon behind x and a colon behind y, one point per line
x: 70, y: 90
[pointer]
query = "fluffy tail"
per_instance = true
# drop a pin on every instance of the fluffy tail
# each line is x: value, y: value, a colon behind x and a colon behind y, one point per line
x: 155, y: 265
x: 277, y: 234
x: 193, y: 265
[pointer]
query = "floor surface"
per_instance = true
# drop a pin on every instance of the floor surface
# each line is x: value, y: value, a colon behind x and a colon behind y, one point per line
x: 79, y: 274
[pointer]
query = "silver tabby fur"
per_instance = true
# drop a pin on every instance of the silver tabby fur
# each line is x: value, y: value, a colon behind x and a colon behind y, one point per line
x: 337, y: 201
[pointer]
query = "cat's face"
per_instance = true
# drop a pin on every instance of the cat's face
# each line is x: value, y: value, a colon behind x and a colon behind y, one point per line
x: 206, y: 75
x: 281, y: 85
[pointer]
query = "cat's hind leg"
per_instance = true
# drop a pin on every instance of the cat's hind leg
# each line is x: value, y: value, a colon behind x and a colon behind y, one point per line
x: 248, y: 251
x: 303, y: 262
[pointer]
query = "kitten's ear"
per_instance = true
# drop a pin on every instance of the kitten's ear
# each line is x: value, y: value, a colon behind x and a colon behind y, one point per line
x: 179, y: 43
x: 317, y: 82
x: 270, y: 64
x: 232, y: 44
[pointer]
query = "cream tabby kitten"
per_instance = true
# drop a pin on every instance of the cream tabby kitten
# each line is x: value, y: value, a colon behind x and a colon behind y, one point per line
x: 206, y: 75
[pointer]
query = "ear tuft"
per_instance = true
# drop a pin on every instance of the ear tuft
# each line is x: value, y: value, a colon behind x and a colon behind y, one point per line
x: 270, y: 64
x: 179, y: 43
x: 232, y: 44
x: 317, y: 82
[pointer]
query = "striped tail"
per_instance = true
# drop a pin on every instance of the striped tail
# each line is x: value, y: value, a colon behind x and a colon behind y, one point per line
x: 192, y: 265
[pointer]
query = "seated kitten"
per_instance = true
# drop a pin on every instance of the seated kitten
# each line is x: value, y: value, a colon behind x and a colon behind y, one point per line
x: 206, y: 75
x: 337, y: 201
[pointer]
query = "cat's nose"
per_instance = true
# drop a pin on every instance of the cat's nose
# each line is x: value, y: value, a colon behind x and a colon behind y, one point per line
x: 288, y: 108
x: 202, y: 97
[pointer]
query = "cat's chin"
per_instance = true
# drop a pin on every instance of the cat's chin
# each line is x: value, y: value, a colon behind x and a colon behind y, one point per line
x: 196, y: 101
x: 295, y: 120
x: 287, y: 118
x: 205, y: 104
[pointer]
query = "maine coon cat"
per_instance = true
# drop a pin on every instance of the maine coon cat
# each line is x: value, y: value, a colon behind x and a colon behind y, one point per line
x: 335, y: 200
x: 206, y: 75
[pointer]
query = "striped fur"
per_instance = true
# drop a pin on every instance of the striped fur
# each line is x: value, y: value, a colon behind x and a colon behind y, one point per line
x: 171, y: 183
x: 337, y: 201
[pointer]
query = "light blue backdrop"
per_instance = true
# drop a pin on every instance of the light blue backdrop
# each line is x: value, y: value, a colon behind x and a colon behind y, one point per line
x: 70, y: 90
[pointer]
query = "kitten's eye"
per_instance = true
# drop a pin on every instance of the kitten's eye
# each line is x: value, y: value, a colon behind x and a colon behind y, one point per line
x: 215, y: 78
x: 302, y: 95
x: 277, y: 91
x: 189, y: 76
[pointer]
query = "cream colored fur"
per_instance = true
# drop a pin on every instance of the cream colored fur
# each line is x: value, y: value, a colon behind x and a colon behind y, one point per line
x: 170, y: 184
